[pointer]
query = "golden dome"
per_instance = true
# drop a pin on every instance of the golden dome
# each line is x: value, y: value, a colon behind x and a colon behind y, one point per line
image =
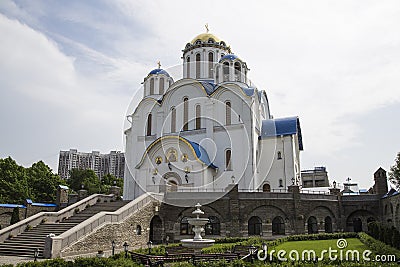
x: 204, y: 37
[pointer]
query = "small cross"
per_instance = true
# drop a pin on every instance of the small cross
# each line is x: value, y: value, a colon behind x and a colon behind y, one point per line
x: 207, y: 30
x: 159, y: 64
x: 348, y: 179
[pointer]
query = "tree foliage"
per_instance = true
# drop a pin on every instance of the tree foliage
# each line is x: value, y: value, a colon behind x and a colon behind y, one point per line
x: 17, y: 183
x: 110, y: 180
x: 394, y: 174
x: 42, y: 182
x: 84, y: 178
x: 13, y: 182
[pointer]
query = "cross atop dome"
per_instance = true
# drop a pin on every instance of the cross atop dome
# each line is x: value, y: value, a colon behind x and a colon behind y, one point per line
x: 207, y: 30
x: 159, y: 64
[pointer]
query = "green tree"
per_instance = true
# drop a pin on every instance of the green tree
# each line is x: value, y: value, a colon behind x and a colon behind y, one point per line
x: 42, y: 182
x: 394, y: 173
x: 87, y: 178
x: 109, y: 179
x: 13, y: 182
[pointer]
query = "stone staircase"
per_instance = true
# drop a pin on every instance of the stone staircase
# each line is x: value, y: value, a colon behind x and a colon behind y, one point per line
x: 25, y: 244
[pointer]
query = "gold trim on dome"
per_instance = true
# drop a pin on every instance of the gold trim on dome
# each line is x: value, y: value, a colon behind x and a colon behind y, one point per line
x: 204, y: 37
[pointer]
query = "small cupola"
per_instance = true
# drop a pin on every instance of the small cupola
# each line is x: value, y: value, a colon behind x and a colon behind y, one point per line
x: 157, y: 82
x: 231, y: 68
x: 202, y: 54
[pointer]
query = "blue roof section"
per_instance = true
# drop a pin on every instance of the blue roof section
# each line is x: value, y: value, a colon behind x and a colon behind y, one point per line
x: 229, y: 56
x: 209, y: 86
x: 158, y: 71
x: 12, y: 206
x: 201, y: 153
x: 282, y: 126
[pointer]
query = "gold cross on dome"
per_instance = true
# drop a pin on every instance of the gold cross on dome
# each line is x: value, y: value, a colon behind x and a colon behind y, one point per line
x: 159, y: 64
x: 207, y: 30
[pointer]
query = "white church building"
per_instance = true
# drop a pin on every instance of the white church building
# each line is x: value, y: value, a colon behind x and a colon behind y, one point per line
x: 208, y: 130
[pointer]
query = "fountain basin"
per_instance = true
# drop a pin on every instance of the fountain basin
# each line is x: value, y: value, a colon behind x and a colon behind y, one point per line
x: 197, y: 244
x: 197, y: 221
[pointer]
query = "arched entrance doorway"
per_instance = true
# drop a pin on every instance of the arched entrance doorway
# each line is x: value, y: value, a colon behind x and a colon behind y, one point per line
x: 254, y: 226
x: 312, y: 225
x: 278, y: 226
x: 156, y: 230
x: 357, y: 225
x: 328, y: 224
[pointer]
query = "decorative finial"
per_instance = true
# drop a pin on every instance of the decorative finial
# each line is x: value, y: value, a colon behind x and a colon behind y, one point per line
x: 159, y: 64
x: 207, y: 30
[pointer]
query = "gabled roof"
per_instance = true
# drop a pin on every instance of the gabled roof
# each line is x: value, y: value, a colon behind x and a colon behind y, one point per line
x: 282, y: 127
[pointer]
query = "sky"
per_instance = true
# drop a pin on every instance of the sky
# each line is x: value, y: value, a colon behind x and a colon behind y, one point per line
x: 69, y: 70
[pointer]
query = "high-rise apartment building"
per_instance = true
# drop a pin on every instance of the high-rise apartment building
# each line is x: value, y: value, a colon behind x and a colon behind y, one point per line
x: 102, y: 164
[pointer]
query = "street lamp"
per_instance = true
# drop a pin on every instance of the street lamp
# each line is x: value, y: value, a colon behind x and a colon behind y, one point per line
x: 252, y: 251
x: 293, y: 180
x: 126, y: 249
x: 149, y: 245
x: 264, y: 247
x: 113, y: 247
x: 36, y: 254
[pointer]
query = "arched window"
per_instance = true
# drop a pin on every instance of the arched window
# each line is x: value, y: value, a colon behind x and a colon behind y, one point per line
x: 210, y: 64
x: 185, y: 228
x: 198, y: 65
x: 161, y: 88
x: 185, y: 114
x: 198, y: 117
x: 266, y: 188
x: 225, y: 71
x: 228, y: 160
x: 238, y: 70
x: 328, y: 224
x: 254, y: 226
x: 278, y: 226
x: 228, y: 113
x: 188, y: 67
x: 312, y: 225
x: 280, y: 183
x: 279, y: 155
x: 152, y: 86
x: 173, y: 120
x: 213, y: 227
x: 149, y: 118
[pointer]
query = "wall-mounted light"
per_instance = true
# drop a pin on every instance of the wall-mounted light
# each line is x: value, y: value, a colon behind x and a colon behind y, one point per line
x: 293, y: 180
x: 187, y: 178
x: 153, y: 179
x: 334, y: 184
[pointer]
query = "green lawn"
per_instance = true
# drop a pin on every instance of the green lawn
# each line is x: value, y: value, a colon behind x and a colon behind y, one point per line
x: 319, y: 245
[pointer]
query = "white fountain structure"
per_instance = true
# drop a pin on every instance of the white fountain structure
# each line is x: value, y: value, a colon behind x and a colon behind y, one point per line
x: 198, y: 242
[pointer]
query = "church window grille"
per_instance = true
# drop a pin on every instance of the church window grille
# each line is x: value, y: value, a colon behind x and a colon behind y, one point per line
x: 149, y: 119
x: 228, y: 113
x: 173, y: 120
x: 210, y: 64
x: 161, y: 88
x: 198, y: 62
x: 188, y: 67
x: 185, y: 114
x: 228, y: 160
x: 152, y: 86
x: 238, y: 71
x: 198, y: 117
